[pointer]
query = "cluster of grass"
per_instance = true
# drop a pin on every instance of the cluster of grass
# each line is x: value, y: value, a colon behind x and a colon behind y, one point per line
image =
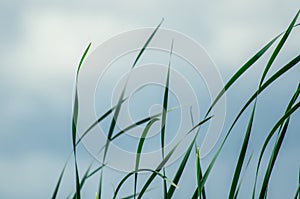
x: 169, y: 185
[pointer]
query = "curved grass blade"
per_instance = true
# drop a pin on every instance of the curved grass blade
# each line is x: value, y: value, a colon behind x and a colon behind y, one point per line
x: 74, y: 123
x: 278, y: 47
x: 59, y: 181
x: 243, y: 69
x: 164, y: 117
x: 142, y: 170
x: 264, y: 86
x: 153, y: 175
x: 139, y: 150
x: 291, y: 103
x: 184, y: 161
x: 297, y: 194
x: 119, y: 104
x: 118, y: 107
x: 134, y: 195
x: 242, y: 179
x: 138, y: 123
x: 285, y: 118
x: 242, y: 155
x: 198, y: 170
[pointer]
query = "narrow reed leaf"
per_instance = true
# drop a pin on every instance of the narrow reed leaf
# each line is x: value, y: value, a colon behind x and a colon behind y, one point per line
x: 267, y: 140
x: 278, y: 47
x: 156, y: 173
x: 59, y: 181
x: 139, y: 150
x: 118, y: 107
x: 164, y: 117
x: 242, y: 179
x: 277, y: 146
x: 242, y: 156
x: 159, y: 167
x: 198, y: 170
x: 74, y: 123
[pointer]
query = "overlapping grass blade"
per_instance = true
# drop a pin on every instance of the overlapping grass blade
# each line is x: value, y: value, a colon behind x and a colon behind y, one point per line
x: 285, y: 118
x: 118, y: 107
x: 243, y: 69
x: 185, y: 159
x: 121, y: 98
x: 164, y: 117
x: 134, y: 195
x: 279, y: 47
x: 155, y: 172
x: 159, y: 167
x: 242, y: 179
x: 139, y: 150
x: 267, y: 140
x: 242, y: 156
x: 74, y: 123
x: 247, y: 136
x: 55, y: 192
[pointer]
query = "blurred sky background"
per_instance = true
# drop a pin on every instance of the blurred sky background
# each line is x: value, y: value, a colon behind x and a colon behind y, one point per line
x: 41, y: 45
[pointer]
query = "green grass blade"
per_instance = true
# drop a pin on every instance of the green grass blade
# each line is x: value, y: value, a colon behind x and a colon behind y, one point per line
x: 59, y: 181
x: 134, y: 195
x: 118, y: 107
x: 284, y: 118
x: 200, y: 123
x: 267, y: 140
x: 264, y: 86
x: 155, y: 172
x: 159, y: 167
x: 183, y: 162
x: 243, y: 69
x: 138, y: 123
x: 279, y: 47
x: 242, y: 156
x: 164, y: 117
x: 297, y: 194
x: 198, y: 170
x: 242, y: 179
x: 74, y: 123
x: 139, y: 150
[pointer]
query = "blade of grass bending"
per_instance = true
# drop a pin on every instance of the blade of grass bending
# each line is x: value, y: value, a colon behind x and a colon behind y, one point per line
x: 242, y: 179
x: 87, y: 175
x: 139, y: 150
x: 198, y: 171
x: 264, y: 86
x: 101, y: 118
x: 164, y: 117
x: 83, y: 179
x: 247, y: 136
x: 74, y: 123
x: 133, y: 195
x: 159, y: 167
x: 140, y: 122
x: 285, y: 118
x: 243, y: 69
x: 242, y: 155
x: 118, y: 107
x: 279, y: 47
x: 141, y: 170
x: 291, y: 103
x: 183, y: 163
x: 59, y: 180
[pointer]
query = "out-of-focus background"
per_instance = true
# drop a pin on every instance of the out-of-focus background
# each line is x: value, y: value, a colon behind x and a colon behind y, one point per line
x: 41, y: 43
